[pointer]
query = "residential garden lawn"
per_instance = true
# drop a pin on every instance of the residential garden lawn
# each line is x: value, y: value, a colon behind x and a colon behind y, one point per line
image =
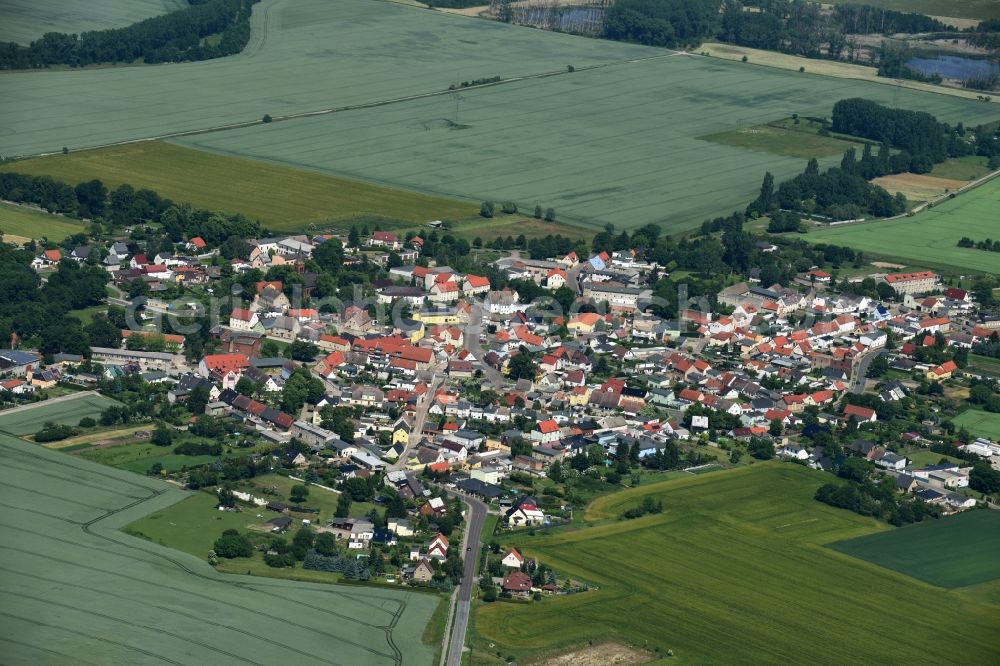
x: 283, y: 198
x: 26, y: 20
x: 785, y: 138
x: 193, y: 524
x: 958, y: 551
x: 923, y: 457
x: 138, y: 457
x: 930, y: 237
x: 278, y: 487
x: 734, y: 569
x: 124, y: 600
x: 979, y: 422
x: 66, y: 412
x: 26, y: 223
x: 86, y: 315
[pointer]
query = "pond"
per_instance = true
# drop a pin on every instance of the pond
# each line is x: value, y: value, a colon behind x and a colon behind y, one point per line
x: 955, y: 67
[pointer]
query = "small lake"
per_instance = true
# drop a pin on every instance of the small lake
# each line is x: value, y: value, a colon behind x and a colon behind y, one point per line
x: 955, y: 67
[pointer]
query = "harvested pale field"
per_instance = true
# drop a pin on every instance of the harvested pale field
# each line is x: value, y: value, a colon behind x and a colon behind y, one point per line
x: 283, y: 199
x: 603, y: 654
x: 76, y: 590
x: 918, y: 187
x: 26, y: 20
x: 960, y: 23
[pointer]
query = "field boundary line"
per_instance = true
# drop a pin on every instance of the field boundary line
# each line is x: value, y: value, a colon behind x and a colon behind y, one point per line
x: 350, y: 107
x: 50, y: 401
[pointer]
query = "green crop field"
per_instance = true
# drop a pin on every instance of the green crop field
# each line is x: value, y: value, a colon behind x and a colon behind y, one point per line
x: 303, y: 56
x: 27, y: 20
x: 734, y: 570
x: 283, y: 199
x: 30, y: 223
x: 980, y: 423
x: 76, y: 590
x: 613, y: 141
x: 67, y: 412
x: 984, y: 364
x: 615, y: 144
x: 930, y: 237
x: 971, y: 9
x: 959, y: 551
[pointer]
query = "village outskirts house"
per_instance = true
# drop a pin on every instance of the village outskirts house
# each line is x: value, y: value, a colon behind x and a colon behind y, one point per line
x: 524, y: 513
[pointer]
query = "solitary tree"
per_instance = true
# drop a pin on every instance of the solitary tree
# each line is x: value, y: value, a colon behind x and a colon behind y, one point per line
x: 550, y: 215
x: 486, y: 209
x: 299, y: 494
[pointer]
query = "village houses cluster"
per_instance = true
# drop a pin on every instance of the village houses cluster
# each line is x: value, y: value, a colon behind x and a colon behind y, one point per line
x: 473, y: 384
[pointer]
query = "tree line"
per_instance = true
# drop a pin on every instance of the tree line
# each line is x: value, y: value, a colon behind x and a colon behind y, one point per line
x: 837, y: 193
x: 665, y: 23
x: 988, y: 244
x: 790, y: 26
x: 867, y: 493
x: 174, y: 37
x: 918, y: 135
x: 127, y: 206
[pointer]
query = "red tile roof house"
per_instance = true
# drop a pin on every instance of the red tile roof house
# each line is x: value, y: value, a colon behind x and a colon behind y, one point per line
x: 225, y: 368
x: 860, y: 414
x: 546, y: 432
x: 384, y: 239
x: 517, y: 584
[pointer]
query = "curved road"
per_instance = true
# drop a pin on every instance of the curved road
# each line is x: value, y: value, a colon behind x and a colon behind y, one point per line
x: 470, y: 553
x: 861, y: 372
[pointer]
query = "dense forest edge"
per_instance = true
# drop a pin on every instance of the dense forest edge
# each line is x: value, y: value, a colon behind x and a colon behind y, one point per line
x: 204, y: 30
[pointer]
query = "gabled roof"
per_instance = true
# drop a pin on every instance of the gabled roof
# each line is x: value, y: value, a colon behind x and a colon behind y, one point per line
x: 548, y: 427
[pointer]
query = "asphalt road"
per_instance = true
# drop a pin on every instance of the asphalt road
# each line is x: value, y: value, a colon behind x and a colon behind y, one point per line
x: 418, y: 422
x: 861, y: 372
x: 470, y: 551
